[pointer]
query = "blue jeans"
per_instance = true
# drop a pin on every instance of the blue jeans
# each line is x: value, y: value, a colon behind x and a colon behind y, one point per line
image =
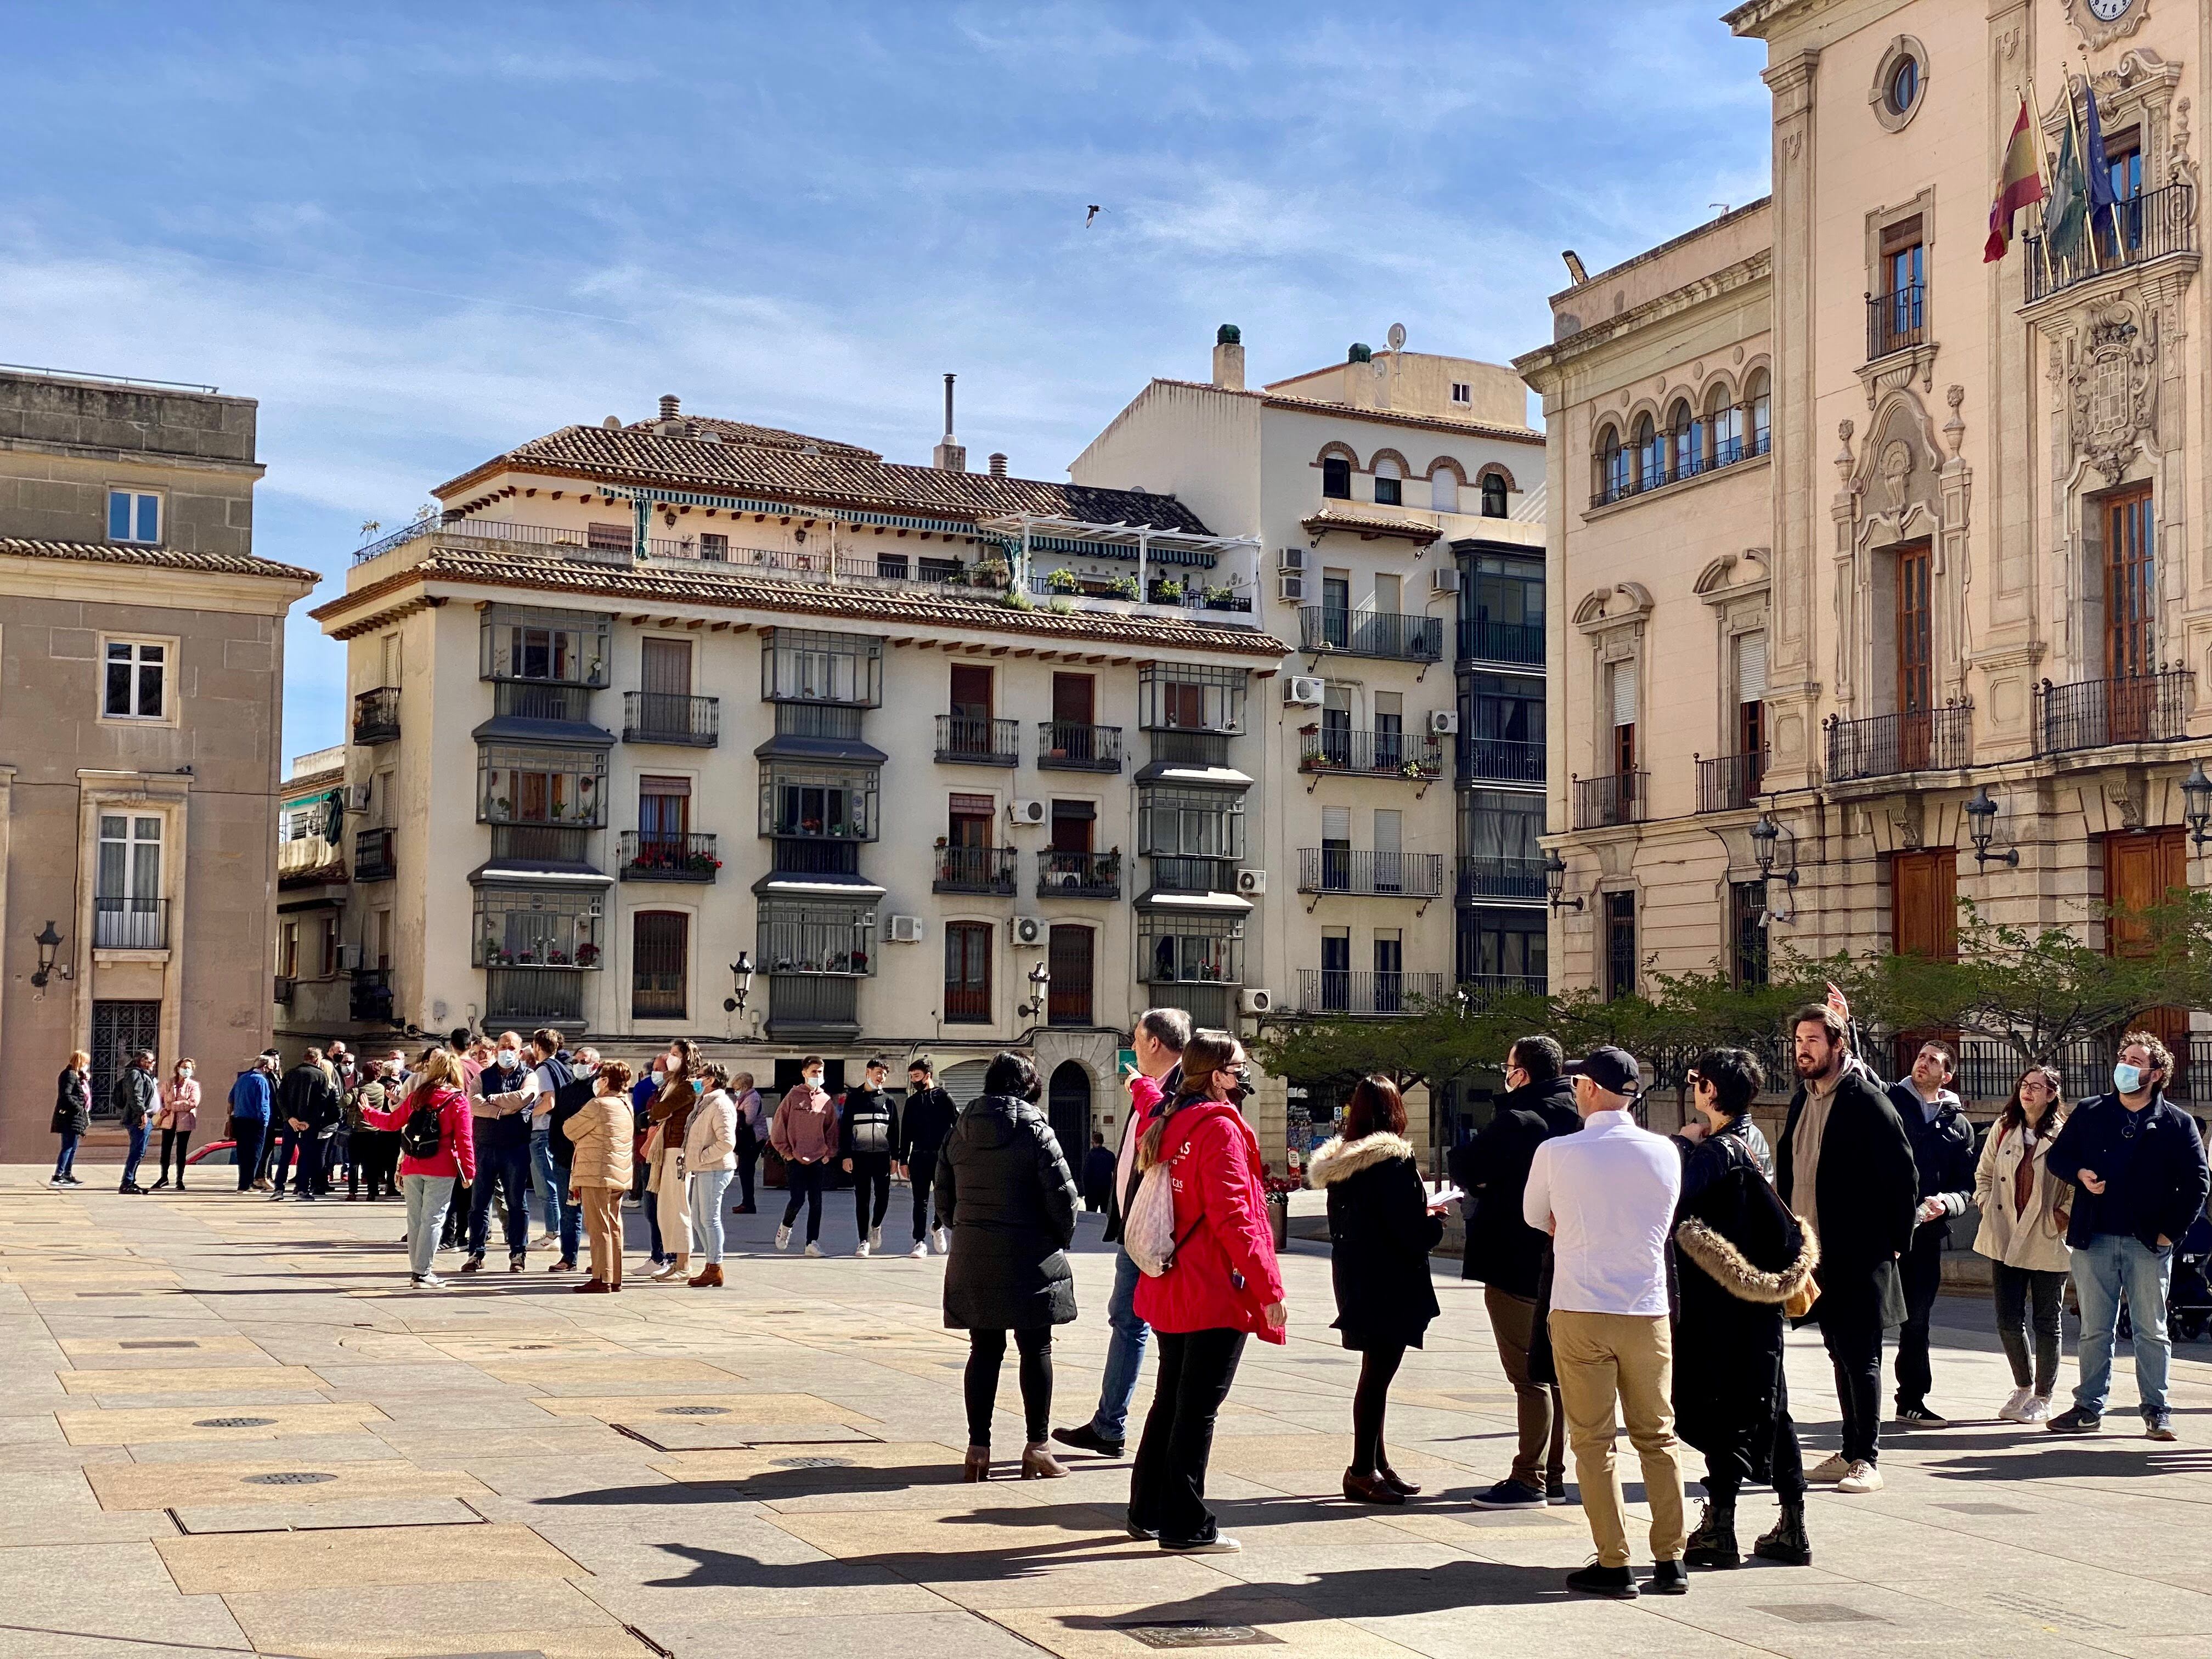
x: 427, y: 1198
x: 65, y: 1160
x: 1125, y: 1353
x: 252, y: 1134
x: 549, y: 1178
x: 2104, y: 1268
x: 130, y: 1160
x: 500, y: 1168
x: 708, y: 1186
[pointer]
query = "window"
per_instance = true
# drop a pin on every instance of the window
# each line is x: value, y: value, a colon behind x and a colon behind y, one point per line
x: 138, y: 673
x: 381, y: 937
x: 1335, y: 849
x: 1501, y: 825
x: 130, y: 858
x: 1494, y: 495
x: 1751, y: 708
x: 1501, y: 728
x: 664, y: 816
x: 968, y: 820
x: 133, y: 516
x: 1389, y: 959
x: 1072, y: 825
x: 816, y: 938
x: 660, y: 948
x: 1650, y: 455
x: 1205, y: 823
x: 834, y: 803
x: 802, y: 665
x: 1758, y: 414
x: 1461, y: 392
x: 1069, y: 956
x: 1923, y: 903
x: 287, y: 950
x: 1502, y: 950
x: 967, y: 972
x: 326, y: 945
x: 1190, y: 949
x: 1903, y: 291
x: 608, y: 538
x: 1191, y: 696
x: 664, y: 668
x: 559, y: 648
x: 1915, y: 631
x: 1612, y: 465
x: 1336, y: 478
x: 2124, y: 234
x: 1620, y: 696
x: 1336, y: 968
x: 518, y: 927
x: 1388, y: 490
x: 1443, y: 490
x: 2130, y: 586
x: 1725, y: 422
x: 713, y: 547
x: 540, y: 785
x: 1747, y: 932
x: 1685, y: 441
x: 1904, y: 89
x: 1620, y: 945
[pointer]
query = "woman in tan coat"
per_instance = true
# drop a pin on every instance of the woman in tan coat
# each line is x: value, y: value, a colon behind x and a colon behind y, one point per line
x: 599, y: 1171
x: 2024, y: 1215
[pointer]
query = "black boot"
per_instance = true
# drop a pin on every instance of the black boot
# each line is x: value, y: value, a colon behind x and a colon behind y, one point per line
x: 1713, y: 1544
x: 1787, y: 1543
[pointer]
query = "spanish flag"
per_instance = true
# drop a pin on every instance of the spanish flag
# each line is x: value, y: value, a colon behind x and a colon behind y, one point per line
x: 2019, y: 182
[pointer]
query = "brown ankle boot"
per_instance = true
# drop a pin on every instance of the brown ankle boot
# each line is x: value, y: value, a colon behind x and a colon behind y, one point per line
x: 976, y: 1465
x: 707, y: 1278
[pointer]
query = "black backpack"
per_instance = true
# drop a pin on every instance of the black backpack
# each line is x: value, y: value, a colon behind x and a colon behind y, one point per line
x: 423, y: 1133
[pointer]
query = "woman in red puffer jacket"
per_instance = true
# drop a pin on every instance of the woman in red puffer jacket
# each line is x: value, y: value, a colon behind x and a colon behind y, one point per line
x: 1223, y: 1286
x: 428, y: 1181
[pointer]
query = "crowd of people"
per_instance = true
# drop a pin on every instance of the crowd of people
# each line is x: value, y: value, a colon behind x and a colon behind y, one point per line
x: 1629, y: 1278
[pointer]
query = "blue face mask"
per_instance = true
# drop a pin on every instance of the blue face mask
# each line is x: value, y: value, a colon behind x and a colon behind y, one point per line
x: 2127, y: 1078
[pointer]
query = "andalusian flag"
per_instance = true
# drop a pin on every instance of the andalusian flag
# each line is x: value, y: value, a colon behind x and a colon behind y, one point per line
x: 2019, y: 181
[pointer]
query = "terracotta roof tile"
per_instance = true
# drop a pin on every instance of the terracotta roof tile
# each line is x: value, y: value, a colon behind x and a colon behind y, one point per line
x: 763, y: 437
x: 1389, y: 417
x: 166, y: 558
x: 1371, y: 524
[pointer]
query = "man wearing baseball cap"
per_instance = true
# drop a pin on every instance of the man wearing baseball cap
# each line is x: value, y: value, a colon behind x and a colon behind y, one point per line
x: 1606, y: 1195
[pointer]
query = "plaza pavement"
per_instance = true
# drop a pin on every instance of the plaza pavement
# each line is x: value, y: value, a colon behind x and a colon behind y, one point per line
x: 230, y: 1427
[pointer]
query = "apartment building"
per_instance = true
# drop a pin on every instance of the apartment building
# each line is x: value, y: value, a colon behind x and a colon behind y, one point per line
x: 141, y: 693
x: 684, y: 725
x: 1398, y: 499
x: 1877, y: 581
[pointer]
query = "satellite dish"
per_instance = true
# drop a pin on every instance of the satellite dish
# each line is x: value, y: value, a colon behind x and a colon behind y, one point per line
x: 1397, y: 336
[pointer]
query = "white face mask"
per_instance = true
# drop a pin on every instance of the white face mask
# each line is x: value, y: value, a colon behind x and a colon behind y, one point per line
x: 814, y: 1080
x: 508, y: 1058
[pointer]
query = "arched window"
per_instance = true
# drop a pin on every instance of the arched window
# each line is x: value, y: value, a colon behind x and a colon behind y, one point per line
x: 1443, y: 490
x: 1336, y: 478
x: 1612, y: 465
x: 1726, y: 421
x: 1650, y: 455
x: 1686, y: 437
x: 1759, y: 413
x: 1493, y: 496
x: 1388, y: 490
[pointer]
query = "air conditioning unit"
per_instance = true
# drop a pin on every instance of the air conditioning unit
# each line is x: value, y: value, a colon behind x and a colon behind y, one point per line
x: 1026, y: 930
x: 348, y: 958
x: 1026, y: 812
x: 903, y: 930
x: 1444, y: 722
x: 1291, y: 589
x: 1251, y: 883
x: 1255, y: 999
x: 1445, y: 579
x: 1304, y: 691
x: 1291, y: 559
x: 357, y: 797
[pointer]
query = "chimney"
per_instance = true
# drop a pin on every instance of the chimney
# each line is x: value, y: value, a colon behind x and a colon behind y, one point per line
x: 948, y: 457
x: 998, y: 465
x: 670, y: 406
x: 1229, y: 357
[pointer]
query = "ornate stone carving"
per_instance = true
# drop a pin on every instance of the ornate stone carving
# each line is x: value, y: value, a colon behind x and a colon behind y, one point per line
x: 2095, y: 33
x: 2179, y: 167
x: 1906, y: 827
x: 1896, y: 472
x: 1844, y: 461
x: 2128, y: 805
x: 2114, y: 387
x: 1955, y: 429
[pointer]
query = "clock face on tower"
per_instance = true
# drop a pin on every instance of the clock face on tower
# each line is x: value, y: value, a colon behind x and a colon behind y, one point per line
x: 2108, y: 11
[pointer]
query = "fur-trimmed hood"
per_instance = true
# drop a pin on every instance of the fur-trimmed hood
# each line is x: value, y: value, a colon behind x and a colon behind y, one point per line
x: 1339, y: 1160
x: 1728, y: 1266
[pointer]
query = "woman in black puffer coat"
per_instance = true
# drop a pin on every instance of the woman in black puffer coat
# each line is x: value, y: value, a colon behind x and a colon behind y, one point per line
x: 1003, y: 1187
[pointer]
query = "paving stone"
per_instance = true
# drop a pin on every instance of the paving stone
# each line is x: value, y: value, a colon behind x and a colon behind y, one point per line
x: 172, y: 1486
x: 256, y: 1422
x: 228, y: 1563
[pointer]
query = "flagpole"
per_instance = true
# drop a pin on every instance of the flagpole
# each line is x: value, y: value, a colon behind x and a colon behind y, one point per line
x: 2081, y: 160
x: 2043, y: 176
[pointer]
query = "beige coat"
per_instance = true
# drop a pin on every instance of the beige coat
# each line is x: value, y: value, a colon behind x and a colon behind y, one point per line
x: 710, y: 1137
x: 602, y: 1130
x: 2038, y: 1238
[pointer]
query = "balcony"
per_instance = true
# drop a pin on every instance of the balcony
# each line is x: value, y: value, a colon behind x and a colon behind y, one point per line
x: 1211, y: 1007
x: 813, y: 1004
x: 370, y: 997
x: 975, y: 869
x: 1499, y: 760
x: 376, y: 715
x: 1078, y: 875
x: 1374, y: 754
x: 1071, y: 747
x: 2144, y: 228
x: 1887, y: 745
x: 541, y: 843
x: 1501, y: 881
x: 534, y: 700
x: 2098, y: 714
x: 1403, y: 637
x: 129, y: 924
x: 1518, y: 643
x: 1896, y: 321
x: 1368, y: 874
x: 971, y: 740
x: 526, y: 996
x: 1625, y: 485
x: 1729, y: 783
x: 1206, y: 749
x: 807, y: 856
x: 667, y: 717
x: 375, y: 856
x: 1602, y: 803
x: 1484, y: 989
x: 307, y: 855
x: 667, y: 858
x: 1340, y: 991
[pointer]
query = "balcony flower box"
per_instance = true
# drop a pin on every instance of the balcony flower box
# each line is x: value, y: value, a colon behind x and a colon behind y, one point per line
x: 1062, y: 582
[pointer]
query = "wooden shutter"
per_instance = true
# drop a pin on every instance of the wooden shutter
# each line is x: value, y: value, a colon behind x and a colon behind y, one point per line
x: 971, y: 691
x: 1923, y: 900
x: 1074, y: 698
x: 666, y: 668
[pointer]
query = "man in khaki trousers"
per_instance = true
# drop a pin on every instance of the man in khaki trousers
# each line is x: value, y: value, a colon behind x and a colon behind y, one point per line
x: 1606, y: 1195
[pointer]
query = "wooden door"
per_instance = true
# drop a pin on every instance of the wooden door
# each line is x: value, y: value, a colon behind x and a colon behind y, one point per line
x: 2141, y: 870
x: 971, y: 691
x: 2130, y: 598
x: 1074, y: 698
x: 1923, y: 903
x: 1916, y: 651
x: 1067, y: 1000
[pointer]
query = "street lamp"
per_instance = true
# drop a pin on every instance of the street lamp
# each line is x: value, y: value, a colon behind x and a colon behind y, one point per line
x: 1981, y: 826
x: 2197, y: 809
x: 742, y: 971
x: 1555, y: 882
x: 1765, y: 846
x: 48, y: 942
x: 1039, y: 978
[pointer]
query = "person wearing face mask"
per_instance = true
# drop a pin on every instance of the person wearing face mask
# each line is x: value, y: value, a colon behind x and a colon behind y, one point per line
x: 670, y: 1111
x: 548, y: 1184
x: 180, y: 1111
x: 2139, y: 1164
x: 867, y: 1132
x: 500, y: 1118
x: 753, y: 1133
x: 804, y: 1136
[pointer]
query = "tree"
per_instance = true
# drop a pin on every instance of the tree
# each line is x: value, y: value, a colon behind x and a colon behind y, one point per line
x: 1438, y: 1041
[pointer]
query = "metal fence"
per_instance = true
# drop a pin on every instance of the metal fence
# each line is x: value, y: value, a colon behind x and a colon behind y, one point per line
x: 2092, y: 714
x: 1915, y: 740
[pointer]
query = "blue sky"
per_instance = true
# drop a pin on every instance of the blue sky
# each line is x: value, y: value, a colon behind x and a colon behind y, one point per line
x: 421, y: 234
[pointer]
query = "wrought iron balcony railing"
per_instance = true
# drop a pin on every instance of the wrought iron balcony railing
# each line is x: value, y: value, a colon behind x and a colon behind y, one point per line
x: 1728, y: 783
x: 670, y: 717
x: 1499, y: 760
x: 1481, y: 640
x: 1072, y: 746
x: 1343, y: 990
x: 971, y: 740
x: 1501, y: 880
x: 646, y: 857
x: 1601, y: 803
x: 2141, y: 228
x: 1371, y: 633
x: 547, y: 995
x: 2150, y: 708
x: 1887, y: 745
x: 1377, y: 754
x: 376, y: 715
x: 130, y: 924
x: 1896, y: 321
x: 1367, y: 873
x: 1724, y: 453
x: 375, y: 854
x: 1078, y: 875
x: 975, y: 869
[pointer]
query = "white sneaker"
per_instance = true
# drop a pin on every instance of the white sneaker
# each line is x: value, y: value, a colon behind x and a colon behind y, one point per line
x: 431, y: 1282
x: 2015, y: 1403
x: 943, y: 1240
x: 920, y: 1250
x: 861, y: 1248
x: 2037, y: 1410
x: 1863, y: 1477
x: 1829, y: 1470
x: 548, y: 1241
x: 875, y: 1238
x: 814, y: 1249
x: 667, y: 1270
x: 783, y: 1238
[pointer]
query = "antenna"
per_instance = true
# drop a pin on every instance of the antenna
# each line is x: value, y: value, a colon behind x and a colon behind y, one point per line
x: 1396, y: 336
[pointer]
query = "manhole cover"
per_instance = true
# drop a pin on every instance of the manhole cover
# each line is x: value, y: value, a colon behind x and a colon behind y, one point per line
x: 152, y: 1342
x: 233, y: 1422
x: 695, y: 1410
x: 1201, y: 1636
x: 811, y: 1462
x: 287, y: 1478
x: 1821, y: 1613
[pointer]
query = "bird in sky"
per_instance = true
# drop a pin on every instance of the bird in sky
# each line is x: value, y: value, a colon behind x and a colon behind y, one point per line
x: 1094, y: 211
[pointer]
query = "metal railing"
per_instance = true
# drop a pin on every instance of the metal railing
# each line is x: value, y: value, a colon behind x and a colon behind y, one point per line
x: 1190, y: 748
x: 1072, y: 746
x: 376, y: 715
x: 1483, y: 641
x: 557, y: 843
x: 1367, y: 873
x: 1724, y: 453
x: 972, y: 741
x: 1896, y: 321
x: 375, y: 854
x: 1885, y: 745
x: 1379, y: 754
x: 801, y: 1001
x: 672, y: 717
x: 2142, y: 228
x: 532, y: 700
x: 1511, y: 880
x: 1499, y: 760
x: 370, y: 996
x: 453, y: 527
x: 1728, y: 783
x: 810, y: 855
x: 1371, y: 633
x: 130, y: 924
x: 1078, y: 875
x: 1483, y: 989
x: 552, y: 995
x: 975, y: 869
x: 1342, y: 990
x: 2150, y: 708
x: 667, y: 858
x: 1601, y: 803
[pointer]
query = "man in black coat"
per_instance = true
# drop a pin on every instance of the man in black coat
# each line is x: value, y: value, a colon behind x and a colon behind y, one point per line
x: 2136, y: 1162
x: 134, y: 1098
x: 1943, y: 1153
x: 1846, y: 1166
x: 867, y: 1138
x: 922, y: 1127
x: 308, y: 1105
x: 1507, y: 1255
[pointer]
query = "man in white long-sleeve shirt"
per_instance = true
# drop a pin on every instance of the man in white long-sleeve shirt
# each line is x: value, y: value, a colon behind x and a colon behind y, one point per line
x: 1606, y: 1195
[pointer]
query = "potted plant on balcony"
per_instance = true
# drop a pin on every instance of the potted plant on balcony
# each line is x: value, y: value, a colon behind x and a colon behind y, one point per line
x: 587, y: 955
x: 1167, y: 591
x: 556, y: 958
x: 1313, y: 757
x: 991, y: 573
x: 1123, y: 586
x: 1220, y: 599
x: 1062, y: 582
